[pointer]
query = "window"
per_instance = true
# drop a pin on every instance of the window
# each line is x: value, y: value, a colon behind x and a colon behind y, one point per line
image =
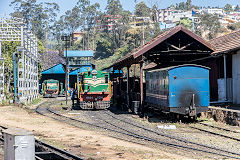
x: 106, y: 78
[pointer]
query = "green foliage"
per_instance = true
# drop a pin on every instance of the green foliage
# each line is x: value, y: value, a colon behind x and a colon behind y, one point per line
x: 39, y: 17
x: 209, y: 23
x: 185, y: 6
x: 237, y: 8
x: 114, y: 7
x: 181, y: 6
x: 228, y: 8
x: 157, y: 30
x: 8, y: 48
x: 188, y: 4
x: 142, y: 10
x: 103, y: 49
x: 36, y: 101
x: 103, y: 63
x: 187, y: 23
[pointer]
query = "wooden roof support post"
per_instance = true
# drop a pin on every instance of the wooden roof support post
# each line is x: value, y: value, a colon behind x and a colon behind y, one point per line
x: 141, y: 88
x: 128, y: 86
x: 120, y: 87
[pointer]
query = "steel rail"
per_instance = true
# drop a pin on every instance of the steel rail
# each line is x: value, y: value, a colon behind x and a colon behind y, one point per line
x: 224, y: 129
x: 172, y: 137
x: 129, y: 133
x: 59, y: 152
x: 214, y: 133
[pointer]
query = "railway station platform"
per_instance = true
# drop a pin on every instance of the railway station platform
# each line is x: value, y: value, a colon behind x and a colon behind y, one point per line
x: 229, y: 114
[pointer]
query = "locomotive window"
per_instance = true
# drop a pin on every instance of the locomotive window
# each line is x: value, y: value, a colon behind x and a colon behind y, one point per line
x: 106, y: 78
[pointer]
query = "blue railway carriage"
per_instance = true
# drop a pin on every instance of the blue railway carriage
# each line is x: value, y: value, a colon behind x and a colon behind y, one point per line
x: 180, y: 89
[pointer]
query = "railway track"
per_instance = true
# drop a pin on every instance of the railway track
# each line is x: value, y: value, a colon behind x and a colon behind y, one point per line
x: 215, y: 133
x: 44, y: 151
x: 164, y: 139
x: 173, y: 137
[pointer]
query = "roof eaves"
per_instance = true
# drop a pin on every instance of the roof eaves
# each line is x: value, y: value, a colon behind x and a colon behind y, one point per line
x: 156, y: 41
x: 227, y: 51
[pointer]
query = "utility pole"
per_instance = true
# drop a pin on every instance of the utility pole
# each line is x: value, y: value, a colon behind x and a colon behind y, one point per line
x: 67, y: 39
x: 143, y: 36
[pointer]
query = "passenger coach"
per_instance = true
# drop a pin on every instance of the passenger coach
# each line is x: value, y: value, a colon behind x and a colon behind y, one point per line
x: 180, y: 89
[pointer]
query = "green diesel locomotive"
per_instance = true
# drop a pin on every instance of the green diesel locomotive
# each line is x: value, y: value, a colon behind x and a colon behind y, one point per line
x: 51, y: 88
x: 94, y: 90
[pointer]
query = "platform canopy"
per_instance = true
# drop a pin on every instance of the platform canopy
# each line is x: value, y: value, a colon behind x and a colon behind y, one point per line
x: 173, y: 47
x: 56, y: 69
x: 80, y: 70
x: 79, y: 53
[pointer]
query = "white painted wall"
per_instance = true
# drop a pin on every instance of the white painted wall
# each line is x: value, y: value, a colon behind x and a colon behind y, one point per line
x: 236, y: 77
x: 222, y: 90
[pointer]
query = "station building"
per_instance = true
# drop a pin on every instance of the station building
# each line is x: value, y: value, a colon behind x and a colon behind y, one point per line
x: 78, y: 61
x: 179, y: 46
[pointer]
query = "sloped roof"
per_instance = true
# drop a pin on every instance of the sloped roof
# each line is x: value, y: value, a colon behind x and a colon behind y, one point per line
x: 79, y: 53
x: 159, y: 39
x: 56, y: 69
x: 80, y: 70
x: 226, y: 43
x: 162, y: 37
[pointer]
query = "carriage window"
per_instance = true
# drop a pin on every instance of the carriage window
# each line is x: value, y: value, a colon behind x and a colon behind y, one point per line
x: 106, y: 78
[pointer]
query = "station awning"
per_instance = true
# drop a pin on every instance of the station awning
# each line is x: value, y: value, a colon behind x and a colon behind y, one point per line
x: 176, y: 46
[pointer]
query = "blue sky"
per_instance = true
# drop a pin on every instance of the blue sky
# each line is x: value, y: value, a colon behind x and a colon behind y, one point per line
x: 127, y: 4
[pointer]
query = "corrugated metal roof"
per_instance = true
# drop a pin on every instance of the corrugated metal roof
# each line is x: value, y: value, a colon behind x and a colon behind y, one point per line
x: 226, y: 43
x: 110, y: 70
x: 57, y: 69
x: 80, y: 70
x: 79, y: 53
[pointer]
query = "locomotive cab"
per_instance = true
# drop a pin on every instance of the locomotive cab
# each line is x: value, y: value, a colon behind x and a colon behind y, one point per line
x: 94, y: 90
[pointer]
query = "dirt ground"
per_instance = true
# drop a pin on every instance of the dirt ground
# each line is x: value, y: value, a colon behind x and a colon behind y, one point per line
x: 87, y: 144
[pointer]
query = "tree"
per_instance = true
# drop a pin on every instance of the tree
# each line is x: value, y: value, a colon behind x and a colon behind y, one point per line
x: 188, y: 4
x: 142, y: 10
x: 114, y: 7
x: 237, y: 8
x: 187, y: 23
x: 209, y: 24
x: 39, y: 17
x: 181, y: 6
x: 228, y: 8
x: 103, y: 49
x: 155, y: 13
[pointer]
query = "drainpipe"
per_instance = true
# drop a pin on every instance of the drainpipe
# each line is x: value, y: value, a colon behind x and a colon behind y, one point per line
x: 225, y: 75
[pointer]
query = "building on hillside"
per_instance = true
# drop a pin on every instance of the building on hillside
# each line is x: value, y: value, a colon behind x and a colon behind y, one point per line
x: 218, y: 11
x: 233, y: 17
x: 108, y: 22
x: 172, y: 15
x: 166, y: 26
x: 78, y: 35
x: 139, y: 22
